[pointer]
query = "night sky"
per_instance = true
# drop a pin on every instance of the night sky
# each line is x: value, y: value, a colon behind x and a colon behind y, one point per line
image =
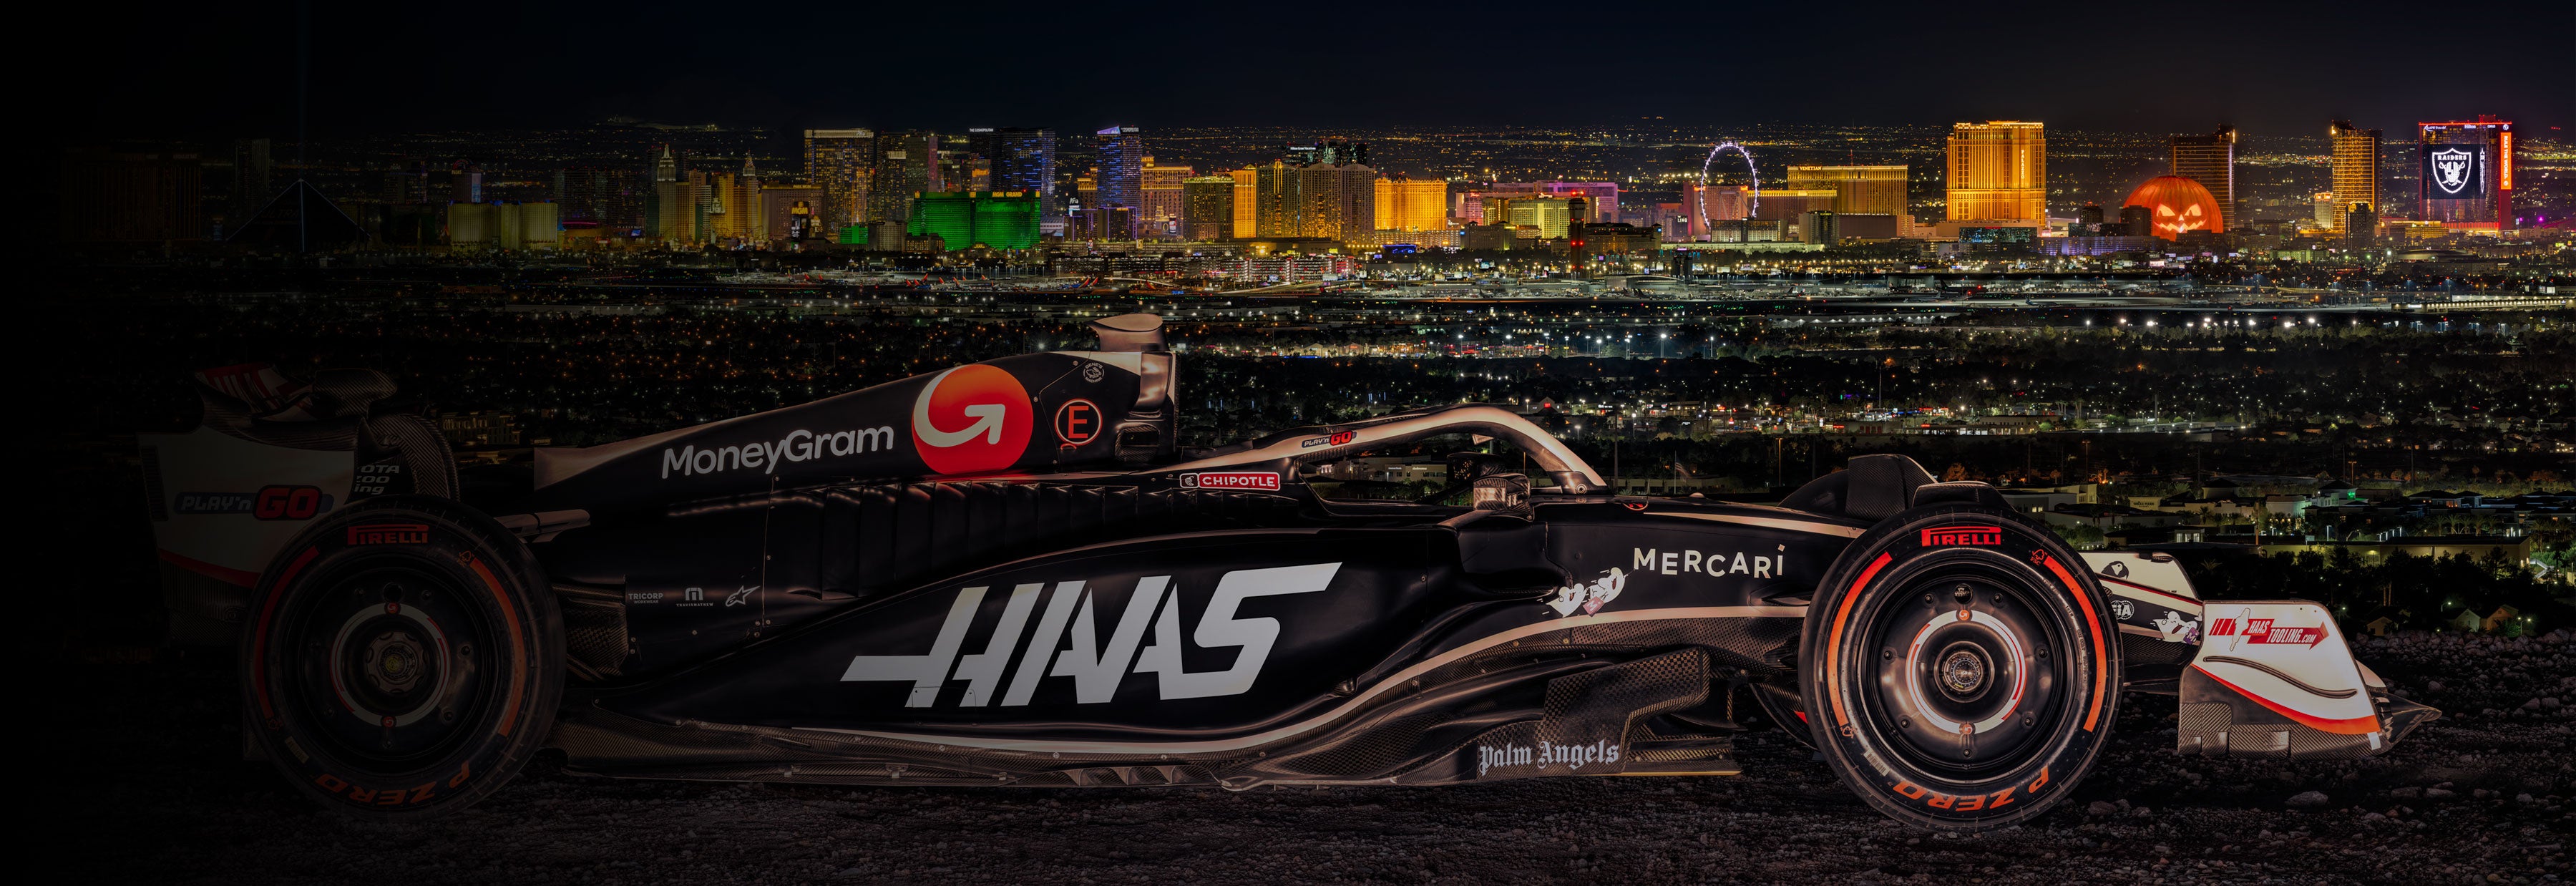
x: 213, y: 71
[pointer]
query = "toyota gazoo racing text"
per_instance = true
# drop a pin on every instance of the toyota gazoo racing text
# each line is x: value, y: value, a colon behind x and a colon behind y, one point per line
x: 1007, y: 573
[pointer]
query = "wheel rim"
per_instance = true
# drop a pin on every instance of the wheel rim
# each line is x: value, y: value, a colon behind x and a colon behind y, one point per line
x: 1970, y: 676
x: 387, y: 664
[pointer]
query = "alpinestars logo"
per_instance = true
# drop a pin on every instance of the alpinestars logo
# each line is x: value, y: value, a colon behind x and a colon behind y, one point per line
x: 970, y: 419
x: 1954, y: 536
x: 2451, y: 168
x: 2176, y: 627
x: 1067, y: 641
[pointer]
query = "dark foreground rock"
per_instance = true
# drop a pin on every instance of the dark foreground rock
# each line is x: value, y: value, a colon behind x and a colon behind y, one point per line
x: 147, y: 770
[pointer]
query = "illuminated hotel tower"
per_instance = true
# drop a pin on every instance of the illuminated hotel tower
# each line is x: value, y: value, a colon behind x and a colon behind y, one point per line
x: 906, y: 163
x: 2464, y: 173
x: 1247, y: 202
x: 2211, y: 161
x: 1022, y: 159
x: 1159, y: 189
x: 838, y: 162
x: 1207, y: 208
x: 1404, y: 204
x: 1865, y: 190
x: 1121, y: 178
x: 1998, y: 170
x: 2356, y: 168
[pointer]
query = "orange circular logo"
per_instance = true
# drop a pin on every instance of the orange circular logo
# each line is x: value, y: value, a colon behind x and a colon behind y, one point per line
x: 971, y: 419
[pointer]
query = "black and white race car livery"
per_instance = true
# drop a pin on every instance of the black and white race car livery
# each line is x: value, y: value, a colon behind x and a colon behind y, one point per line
x: 1006, y: 573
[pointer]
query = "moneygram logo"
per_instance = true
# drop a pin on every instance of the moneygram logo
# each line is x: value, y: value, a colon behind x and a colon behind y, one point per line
x: 798, y: 445
x: 971, y: 419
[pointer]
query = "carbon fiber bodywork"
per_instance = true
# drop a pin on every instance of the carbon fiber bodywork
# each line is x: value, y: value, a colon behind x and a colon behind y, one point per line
x: 1433, y: 632
x: 1006, y: 573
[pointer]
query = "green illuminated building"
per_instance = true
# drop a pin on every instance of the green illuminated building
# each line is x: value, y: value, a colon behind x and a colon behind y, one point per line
x: 963, y: 219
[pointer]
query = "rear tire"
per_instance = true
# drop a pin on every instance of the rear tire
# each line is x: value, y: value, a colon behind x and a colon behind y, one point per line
x: 1960, y: 668
x: 403, y: 659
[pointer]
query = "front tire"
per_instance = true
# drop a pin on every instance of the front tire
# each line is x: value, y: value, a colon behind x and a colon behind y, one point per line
x: 403, y: 659
x: 1960, y: 668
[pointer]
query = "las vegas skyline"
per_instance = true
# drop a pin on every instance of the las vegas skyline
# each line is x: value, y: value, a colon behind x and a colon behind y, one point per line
x: 2103, y: 68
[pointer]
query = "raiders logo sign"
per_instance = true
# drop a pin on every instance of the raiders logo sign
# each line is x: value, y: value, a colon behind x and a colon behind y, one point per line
x: 2453, y: 172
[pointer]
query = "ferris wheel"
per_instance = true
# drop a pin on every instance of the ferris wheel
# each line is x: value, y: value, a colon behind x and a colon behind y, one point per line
x: 1751, y: 209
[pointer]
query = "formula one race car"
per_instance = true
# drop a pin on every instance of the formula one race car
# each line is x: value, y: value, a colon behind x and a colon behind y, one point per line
x: 1006, y: 573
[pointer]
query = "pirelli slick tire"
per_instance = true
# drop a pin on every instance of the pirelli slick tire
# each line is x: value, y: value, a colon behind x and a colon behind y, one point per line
x: 403, y: 658
x: 1959, y: 668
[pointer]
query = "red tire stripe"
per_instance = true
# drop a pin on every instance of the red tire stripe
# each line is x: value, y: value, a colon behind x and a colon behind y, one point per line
x: 225, y: 574
x: 259, y: 641
x: 1834, y: 651
x: 2101, y: 653
x: 518, y: 654
x: 2354, y: 726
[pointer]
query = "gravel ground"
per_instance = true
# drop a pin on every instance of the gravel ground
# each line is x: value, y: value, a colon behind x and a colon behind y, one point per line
x: 2482, y: 796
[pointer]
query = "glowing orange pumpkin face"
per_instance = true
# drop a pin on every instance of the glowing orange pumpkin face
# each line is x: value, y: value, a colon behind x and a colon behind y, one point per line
x: 2171, y: 224
x: 2177, y: 206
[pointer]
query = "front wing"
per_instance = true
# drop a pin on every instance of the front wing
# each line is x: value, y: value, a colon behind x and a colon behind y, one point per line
x: 2257, y: 678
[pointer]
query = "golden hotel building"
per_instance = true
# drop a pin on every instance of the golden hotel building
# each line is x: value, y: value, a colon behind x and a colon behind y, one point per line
x: 1878, y: 190
x: 1407, y: 205
x: 1998, y: 170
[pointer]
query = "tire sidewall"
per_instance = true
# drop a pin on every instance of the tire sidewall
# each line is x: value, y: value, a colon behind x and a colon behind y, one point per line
x: 1872, y: 575
x: 505, y: 587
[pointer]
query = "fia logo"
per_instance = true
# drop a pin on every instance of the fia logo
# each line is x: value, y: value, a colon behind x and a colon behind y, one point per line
x: 971, y: 418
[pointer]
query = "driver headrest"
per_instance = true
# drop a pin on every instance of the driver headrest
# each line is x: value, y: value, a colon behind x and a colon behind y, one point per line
x: 1872, y: 487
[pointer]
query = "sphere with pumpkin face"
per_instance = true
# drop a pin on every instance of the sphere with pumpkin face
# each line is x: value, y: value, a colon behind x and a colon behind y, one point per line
x: 2177, y: 205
